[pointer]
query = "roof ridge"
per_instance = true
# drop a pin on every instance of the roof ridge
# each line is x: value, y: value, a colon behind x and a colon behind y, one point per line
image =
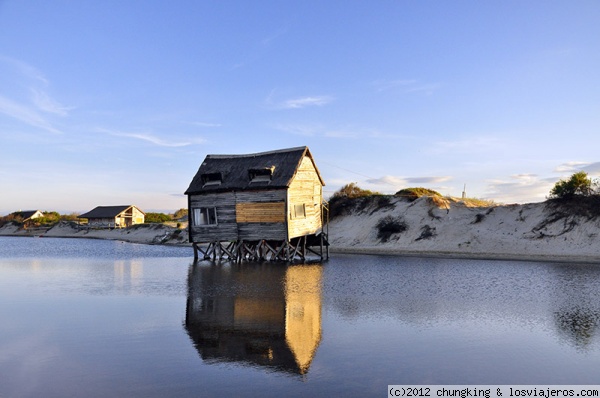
x: 249, y: 155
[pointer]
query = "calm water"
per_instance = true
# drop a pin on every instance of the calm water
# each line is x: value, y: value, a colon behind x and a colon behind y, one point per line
x: 100, y: 318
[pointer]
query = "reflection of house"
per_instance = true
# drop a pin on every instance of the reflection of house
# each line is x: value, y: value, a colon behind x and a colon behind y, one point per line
x: 114, y: 216
x: 266, y: 205
x: 257, y: 314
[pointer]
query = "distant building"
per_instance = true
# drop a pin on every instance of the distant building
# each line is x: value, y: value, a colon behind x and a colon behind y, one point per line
x: 27, y: 216
x: 114, y: 216
x: 266, y: 205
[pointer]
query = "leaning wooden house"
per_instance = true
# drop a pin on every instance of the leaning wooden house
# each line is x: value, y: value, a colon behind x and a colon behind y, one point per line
x: 258, y: 206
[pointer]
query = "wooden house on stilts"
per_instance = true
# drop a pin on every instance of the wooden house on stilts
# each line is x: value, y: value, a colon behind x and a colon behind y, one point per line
x: 261, y: 206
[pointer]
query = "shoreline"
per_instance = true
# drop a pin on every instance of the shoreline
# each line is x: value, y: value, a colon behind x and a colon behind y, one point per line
x: 372, y: 251
x: 467, y: 256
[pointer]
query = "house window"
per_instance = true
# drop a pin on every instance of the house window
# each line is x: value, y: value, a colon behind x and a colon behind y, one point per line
x: 261, y: 175
x: 205, y: 216
x: 211, y: 179
x: 300, y: 211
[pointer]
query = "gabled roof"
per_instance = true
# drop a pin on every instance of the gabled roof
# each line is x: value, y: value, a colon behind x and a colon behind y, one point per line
x: 234, y: 170
x: 26, y: 214
x: 106, y: 211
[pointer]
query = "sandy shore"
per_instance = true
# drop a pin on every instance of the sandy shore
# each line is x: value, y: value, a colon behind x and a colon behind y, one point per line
x: 530, y: 232
x: 515, y: 232
x: 144, y: 233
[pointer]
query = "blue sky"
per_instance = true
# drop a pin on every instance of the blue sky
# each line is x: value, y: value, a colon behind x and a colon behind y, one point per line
x: 118, y: 102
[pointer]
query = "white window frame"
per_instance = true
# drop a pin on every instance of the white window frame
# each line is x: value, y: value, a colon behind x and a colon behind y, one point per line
x: 204, y: 216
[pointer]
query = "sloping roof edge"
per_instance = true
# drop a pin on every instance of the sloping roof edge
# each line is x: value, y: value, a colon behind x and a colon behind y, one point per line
x: 108, y: 211
x: 233, y: 165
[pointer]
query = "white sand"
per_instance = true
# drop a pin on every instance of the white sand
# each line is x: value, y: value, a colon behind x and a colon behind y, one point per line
x: 524, y: 232
x: 144, y: 233
x: 503, y: 232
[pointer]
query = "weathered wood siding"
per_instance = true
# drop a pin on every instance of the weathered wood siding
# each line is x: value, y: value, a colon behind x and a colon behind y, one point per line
x: 305, y: 189
x: 226, y: 227
x: 249, y: 215
x: 261, y: 214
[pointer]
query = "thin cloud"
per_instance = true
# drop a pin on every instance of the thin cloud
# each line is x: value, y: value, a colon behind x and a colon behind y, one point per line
x: 25, y: 69
x: 428, y: 180
x: 469, y: 145
x: 426, y: 89
x: 592, y: 168
x: 571, y: 167
x: 383, y: 85
x: 520, y: 188
x: 204, y: 124
x: 25, y: 114
x: 150, y: 138
x: 387, y: 180
x: 296, y: 103
x: 299, y: 103
x: 406, y: 86
x: 403, y: 181
x: 43, y: 102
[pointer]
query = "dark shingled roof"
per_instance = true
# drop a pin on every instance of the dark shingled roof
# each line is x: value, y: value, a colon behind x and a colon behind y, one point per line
x: 26, y: 214
x: 105, y: 211
x: 235, y: 170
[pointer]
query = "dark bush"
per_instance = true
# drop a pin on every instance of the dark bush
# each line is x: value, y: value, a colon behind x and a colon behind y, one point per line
x: 388, y: 226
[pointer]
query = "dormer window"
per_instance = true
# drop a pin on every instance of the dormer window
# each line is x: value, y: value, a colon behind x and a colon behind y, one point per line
x: 211, y: 179
x: 261, y: 175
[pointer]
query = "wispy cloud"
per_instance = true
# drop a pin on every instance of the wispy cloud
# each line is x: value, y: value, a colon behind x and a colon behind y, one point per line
x: 406, y: 86
x: 297, y: 103
x: 44, y: 103
x: 25, y: 69
x: 205, y: 124
x: 35, y: 101
x: 151, y: 138
x: 428, y: 180
x: 303, y: 102
x: 573, y: 167
x: 383, y: 85
x: 520, y: 188
x: 26, y: 115
x: 475, y: 144
x: 569, y: 167
x: 399, y: 182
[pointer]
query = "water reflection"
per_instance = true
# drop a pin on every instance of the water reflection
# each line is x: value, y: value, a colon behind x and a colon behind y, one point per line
x: 577, y: 304
x: 256, y: 314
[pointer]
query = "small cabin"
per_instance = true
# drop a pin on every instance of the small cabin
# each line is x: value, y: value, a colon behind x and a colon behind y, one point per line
x: 27, y: 217
x: 266, y: 205
x: 114, y: 216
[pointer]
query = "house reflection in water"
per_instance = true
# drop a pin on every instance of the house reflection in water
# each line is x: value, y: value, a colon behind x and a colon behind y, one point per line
x: 258, y: 314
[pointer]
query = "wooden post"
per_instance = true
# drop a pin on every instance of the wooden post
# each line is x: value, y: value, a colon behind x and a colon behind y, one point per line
x: 195, y: 252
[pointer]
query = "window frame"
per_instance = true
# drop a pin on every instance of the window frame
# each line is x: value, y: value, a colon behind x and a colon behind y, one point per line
x: 208, y: 214
x: 299, y: 214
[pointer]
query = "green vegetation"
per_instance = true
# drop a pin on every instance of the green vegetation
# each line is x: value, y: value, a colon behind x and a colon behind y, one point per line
x: 351, y: 197
x: 412, y: 194
x: 49, y: 218
x: 180, y: 214
x: 352, y: 191
x: 152, y: 218
x: 579, y: 184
